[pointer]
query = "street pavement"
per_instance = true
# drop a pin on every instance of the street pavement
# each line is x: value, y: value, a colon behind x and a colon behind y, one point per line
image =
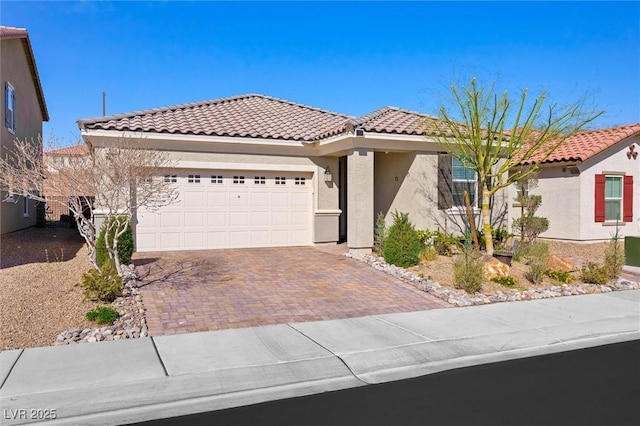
x: 152, y: 378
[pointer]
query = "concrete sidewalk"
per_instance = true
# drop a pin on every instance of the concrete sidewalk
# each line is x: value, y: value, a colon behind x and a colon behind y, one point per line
x: 135, y: 380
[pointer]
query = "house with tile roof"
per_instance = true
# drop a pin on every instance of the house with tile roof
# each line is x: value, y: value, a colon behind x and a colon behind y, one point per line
x: 589, y: 185
x: 257, y: 171
x: 24, y: 110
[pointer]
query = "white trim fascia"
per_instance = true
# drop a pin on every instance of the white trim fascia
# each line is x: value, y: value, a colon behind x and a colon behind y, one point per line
x: 211, y: 165
x: 173, y: 137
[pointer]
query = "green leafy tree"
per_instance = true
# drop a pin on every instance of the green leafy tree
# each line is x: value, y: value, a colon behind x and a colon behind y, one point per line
x: 494, y: 135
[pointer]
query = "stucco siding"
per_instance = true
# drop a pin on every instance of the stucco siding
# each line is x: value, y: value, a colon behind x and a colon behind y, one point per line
x: 560, y: 191
x: 408, y: 182
x: 14, y: 69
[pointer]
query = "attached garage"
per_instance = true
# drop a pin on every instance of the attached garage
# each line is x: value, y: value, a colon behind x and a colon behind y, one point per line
x: 230, y: 209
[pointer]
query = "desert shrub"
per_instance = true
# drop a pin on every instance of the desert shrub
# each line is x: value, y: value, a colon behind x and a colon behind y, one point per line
x: 507, y: 281
x: 468, y: 270
x: 125, y: 243
x: 537, y: 258
x: 428, y: 254
x: 562, y: 276
x: 446, y: 244
x: 595, y: 274
x: 614, y: 257
x: 529, y: 224
x: 103, y: 315
x: 380, y: 233
x: 402, y: 247
x: 103, y: 284
x: 426, y: 237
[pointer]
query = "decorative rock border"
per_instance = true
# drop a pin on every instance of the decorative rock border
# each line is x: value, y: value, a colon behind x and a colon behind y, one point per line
x: 130, y: 324
x: 458, y: 297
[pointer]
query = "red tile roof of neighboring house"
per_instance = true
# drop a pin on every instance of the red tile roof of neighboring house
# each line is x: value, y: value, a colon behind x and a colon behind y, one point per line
x: 75, y: 150
x: 7, y: 33
x: 587, y: 144
x: 251, y: 116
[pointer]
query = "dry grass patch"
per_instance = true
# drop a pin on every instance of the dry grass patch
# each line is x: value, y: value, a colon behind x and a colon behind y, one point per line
x: 39, y: 295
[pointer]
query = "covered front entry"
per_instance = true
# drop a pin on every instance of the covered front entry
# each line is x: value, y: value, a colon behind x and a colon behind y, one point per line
x: 230, y: 209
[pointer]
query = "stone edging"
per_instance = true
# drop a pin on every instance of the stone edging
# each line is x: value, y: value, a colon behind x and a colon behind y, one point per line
x: 130, y: 325
x: 458, y: 297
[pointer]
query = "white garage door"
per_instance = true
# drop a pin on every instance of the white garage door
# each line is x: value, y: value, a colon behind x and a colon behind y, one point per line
x: 230, y: 209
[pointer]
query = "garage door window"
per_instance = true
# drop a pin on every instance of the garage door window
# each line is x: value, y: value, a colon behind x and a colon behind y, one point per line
x: 193, y: 179
x: 216, y: 179
x: 260, y: 180
x: 170, y: 178
x: 238, y: 180
x: 281, y: 180
x: 299, y: 181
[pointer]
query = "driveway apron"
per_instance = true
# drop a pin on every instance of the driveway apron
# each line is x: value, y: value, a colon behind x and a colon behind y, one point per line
x: 192, y: 291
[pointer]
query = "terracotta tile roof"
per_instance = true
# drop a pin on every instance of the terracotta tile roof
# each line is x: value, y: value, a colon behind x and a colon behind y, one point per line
x: 251, y: 116
x: 587, y: 144
x: 8, y: 33
x: 75, y: 150
x: 399, y: 121
x: 12, y: 32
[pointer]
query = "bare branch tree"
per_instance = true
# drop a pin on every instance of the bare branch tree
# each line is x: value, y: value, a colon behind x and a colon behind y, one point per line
x: 113, y: 182
x: 493, y: 135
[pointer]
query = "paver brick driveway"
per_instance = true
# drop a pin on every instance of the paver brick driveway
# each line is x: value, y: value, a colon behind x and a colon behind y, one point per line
x: 193, y: 291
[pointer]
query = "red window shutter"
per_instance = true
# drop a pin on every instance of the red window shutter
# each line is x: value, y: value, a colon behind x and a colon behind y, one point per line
x: 627, y: 199
x: 599, y: 198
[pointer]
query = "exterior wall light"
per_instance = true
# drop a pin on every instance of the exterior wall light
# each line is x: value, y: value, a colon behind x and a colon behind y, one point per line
x: 328, y: 177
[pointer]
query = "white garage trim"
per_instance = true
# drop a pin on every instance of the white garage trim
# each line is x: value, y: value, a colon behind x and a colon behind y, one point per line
x: 220, y: 208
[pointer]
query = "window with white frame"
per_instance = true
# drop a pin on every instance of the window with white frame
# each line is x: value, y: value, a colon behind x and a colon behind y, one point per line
x: 281, y: 180
x: 170, y: 178
x: 217, y: 179
x: 238, y: 180
x: 9, y: 107
x: 260, y: 180
x: 193, y: 179
x: 613, y: 198
x: 25, y: 207
x: 463, y: 179
x: 299, y: 181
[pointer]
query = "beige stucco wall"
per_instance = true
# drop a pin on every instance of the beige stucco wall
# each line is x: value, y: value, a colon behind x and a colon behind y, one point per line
x: 408, y: 183
x: 560, y: 192
x: 14, y: 68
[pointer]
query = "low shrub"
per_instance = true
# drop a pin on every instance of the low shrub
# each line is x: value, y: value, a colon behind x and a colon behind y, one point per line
x: 125, y: 243
x: 614, y: 257
x: 562, y: 276
x: 103, y: 284
x: 595, y: 274
x: 468, y: 270
x: 446, y: 244
x: 537, y: 258
x: 103, y: 315
x: 428, y: 254
x: 507, y: 281
x: 402, y: 246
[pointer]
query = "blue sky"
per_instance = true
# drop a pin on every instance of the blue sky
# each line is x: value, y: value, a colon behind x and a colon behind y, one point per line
x: 350, y: 58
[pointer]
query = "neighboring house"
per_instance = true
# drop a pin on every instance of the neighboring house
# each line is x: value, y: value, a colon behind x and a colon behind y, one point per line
x: 24, y: 110
x: 256, y: 171
x: 589, y: 185
x: 57, y: 189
